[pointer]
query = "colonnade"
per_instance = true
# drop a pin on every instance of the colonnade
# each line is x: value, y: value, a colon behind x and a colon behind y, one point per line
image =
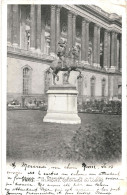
x: 110, y: 50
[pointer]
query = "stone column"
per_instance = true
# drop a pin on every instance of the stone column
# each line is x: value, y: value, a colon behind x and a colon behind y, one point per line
x: 15, y: 26
x: 95, y: 50
x: 112, y: 49
x: 32, y: 27
x: 98, y: 46
x: 9, y: 24
x: 120, y: 57
x: 57, y: 25
x: 115, y: 51
x: 42, y: 32
x: 105, y: 57
x: 53, y: 30
x: 69, y: 33
x: 74, y: 29
x: 108, y: 49
x: 83, y: 40
x: 38, y: 28
x: 87, y: 41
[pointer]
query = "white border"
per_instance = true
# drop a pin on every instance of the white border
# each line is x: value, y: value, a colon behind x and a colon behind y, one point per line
x: 3, y: 56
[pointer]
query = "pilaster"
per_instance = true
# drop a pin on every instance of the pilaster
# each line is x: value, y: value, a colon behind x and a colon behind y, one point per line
x: 87, y: 41
x: 9, y: 24
x: 83, y: 40
x: 95, y: 46
x: 57, y: 25
x: 69, y: 33
x: 74, y: 29
x: 112, y: 49
x: 15, y: 25
x: 98, y: 46
x: 120, y: 52
x: 108, y: 48
x: 38, y: 28
x: 115, y: 51
x: 53, y: 30
x: 105, y: 58
x: 32, y: 28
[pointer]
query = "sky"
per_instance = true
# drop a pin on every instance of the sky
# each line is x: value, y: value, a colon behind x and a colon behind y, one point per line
x: 112, y: 6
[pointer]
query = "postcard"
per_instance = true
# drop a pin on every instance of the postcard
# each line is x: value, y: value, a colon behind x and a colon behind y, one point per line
x: 63, y: 97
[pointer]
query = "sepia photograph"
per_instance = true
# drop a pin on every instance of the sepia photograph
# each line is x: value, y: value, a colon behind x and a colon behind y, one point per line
x: 64, y: 83
x: 63, y: 98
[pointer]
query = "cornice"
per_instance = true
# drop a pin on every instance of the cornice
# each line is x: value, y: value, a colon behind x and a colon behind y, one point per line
x: 22, y: 54
x: 25, y: 55
x: 101, y: 20
x: 92, y: 68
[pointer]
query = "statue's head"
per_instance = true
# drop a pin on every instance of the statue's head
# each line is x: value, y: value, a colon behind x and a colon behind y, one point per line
x: 61, y: 48
x: 75, y: 50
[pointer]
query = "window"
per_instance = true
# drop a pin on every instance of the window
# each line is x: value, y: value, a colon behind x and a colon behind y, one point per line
x: 92, y: 86
x: 103, y: 87
x: 26, y: 80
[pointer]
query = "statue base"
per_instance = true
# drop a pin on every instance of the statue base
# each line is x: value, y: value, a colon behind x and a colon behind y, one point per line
x: 62, y: 105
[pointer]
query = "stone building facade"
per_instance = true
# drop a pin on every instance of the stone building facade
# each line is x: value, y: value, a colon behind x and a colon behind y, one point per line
x: 33, y: 32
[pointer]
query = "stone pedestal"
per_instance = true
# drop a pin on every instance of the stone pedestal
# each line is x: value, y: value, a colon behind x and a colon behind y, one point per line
x: 62, y: 105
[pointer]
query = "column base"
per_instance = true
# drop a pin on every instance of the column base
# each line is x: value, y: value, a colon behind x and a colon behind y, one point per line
x: 107, y: 68
x: 84, y: 62
x: 15, y: 45
x: 38, y: 51
x: 9, y: 44
x: 96, y: 65
x: 53, y: 55
x: 63, y: 118
x: 32, y: 49
x: 112, y: 69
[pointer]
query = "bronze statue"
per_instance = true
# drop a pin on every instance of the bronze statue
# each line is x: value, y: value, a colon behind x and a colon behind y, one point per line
x: 68, y: 61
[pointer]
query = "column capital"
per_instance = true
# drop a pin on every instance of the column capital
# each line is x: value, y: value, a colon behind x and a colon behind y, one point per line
x: 108, y: 31
x: 87, y: 23
x: 99, y: 27
x: 74, y: 16
x: 53, y: 7
x: 85, y: 20
x: 105, y: 31
x: 96, y: 26
x: 70, y: 13
x: 58, y: 8
x: 116, y: 33
x: 113, y: 32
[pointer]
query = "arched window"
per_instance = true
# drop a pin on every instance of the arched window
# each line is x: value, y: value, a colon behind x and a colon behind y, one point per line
x: 103, y: 87
x: 92, y: 86
x: 26, y: 80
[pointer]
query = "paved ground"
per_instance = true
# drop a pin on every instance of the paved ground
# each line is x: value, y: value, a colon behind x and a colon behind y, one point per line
x: 98, y: 138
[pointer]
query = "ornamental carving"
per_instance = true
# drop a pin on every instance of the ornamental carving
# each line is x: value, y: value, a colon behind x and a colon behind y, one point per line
x: 27, y: 18
x: 64, y: 28
x: 78, y: 33
x: 47, y: 22
x: 101, y: 48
